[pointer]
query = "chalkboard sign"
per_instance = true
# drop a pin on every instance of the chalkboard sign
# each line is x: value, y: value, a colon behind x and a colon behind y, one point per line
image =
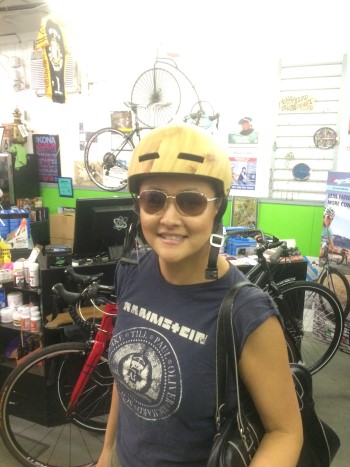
x: 47, y: 150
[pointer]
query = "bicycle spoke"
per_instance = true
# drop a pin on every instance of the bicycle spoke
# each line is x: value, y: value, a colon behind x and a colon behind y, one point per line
x: 314, y: 319
x: 157, y: 95
x: 34, y: 420
x: 107, y: 156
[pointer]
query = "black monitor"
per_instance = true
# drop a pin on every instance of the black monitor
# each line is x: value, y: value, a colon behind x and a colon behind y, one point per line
x: 101, y: 225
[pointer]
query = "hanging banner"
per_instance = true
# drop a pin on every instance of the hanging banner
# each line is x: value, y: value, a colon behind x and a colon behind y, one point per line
x: 51, y: 40
x: 336, y: 219
x: 47, y: 150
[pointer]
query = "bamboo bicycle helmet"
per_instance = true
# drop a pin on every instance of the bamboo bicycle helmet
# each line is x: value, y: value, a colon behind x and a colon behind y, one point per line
x: 185, y: 150
x: 180, y: 149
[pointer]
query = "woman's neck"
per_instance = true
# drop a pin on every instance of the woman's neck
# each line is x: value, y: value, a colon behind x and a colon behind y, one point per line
x: 190, y: 271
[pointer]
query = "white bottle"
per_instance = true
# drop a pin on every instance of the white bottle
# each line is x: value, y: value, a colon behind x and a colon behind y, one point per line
x: 26, y: 264
x: 25, y: 318
x: 18, y: 273
x: 34, y: 274
x: 35, y: 321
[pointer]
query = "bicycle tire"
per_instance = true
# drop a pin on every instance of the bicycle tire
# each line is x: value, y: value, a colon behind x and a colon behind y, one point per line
x: 157, y: 94
x: 106, y: 158
x: 320, y: 321
x: 337, y: 282
x: 33, y: 418
x: 292, y: 349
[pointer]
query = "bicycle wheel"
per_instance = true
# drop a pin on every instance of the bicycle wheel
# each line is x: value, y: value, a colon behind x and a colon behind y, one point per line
x: 106, y: 158
x: 338, y: 284
x: 292, y: 349
x: 34, y: 422
x: 157, y: 95
x: 204, y: 110
x: 314, y: 318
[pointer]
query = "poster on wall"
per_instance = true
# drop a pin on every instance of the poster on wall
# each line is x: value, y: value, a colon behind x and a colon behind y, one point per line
x: 47, y: 150
x: 243, y: 168
x: 336, y: 220
x: 244, y: 212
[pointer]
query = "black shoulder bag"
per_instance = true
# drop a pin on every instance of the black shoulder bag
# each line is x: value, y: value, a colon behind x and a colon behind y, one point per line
x: 239, y: 433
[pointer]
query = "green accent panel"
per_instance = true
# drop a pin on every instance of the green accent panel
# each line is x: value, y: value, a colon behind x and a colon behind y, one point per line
x: 303, y: 223
x: 52, y: 200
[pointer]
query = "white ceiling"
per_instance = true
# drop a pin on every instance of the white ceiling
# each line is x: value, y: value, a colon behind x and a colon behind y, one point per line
x: 18, y: 17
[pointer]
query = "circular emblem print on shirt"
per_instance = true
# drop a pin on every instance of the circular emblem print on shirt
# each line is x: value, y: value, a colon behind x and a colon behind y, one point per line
x: 147, y: 372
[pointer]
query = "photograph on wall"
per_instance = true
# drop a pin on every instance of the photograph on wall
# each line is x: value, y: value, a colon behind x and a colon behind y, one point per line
x: 47, y: 150
x: 121, y: 120
x: 243, y: 168
x: 244, y: 212
x: 81, y: 177
x: 244, y: 133
x: 335, y: 237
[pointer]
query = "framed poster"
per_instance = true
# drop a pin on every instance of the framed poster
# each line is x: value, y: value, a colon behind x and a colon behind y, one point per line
x: 47, y: 150
x: 65, y: 187
x: 244, y: 212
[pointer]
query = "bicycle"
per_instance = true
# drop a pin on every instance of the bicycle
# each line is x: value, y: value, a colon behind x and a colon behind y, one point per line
x: 108, y: 152
x: 54, y: 405
x: 158, y: 94
x: 311, y: 313
x: 335, y: 280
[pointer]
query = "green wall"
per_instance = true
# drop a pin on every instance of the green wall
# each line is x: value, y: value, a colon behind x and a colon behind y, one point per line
x: 301, y: 222
x: 284, y: 220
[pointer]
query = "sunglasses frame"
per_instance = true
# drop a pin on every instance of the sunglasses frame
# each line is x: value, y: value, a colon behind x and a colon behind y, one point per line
x: 176, y: 202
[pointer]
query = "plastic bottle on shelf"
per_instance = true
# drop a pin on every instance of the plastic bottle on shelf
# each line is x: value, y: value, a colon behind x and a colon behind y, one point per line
x: 34, y: 275
x: 16, y: 318
x: 35, y: 321
x: 26, y: 264
x: 15, y: 299
x: 2, y: 298
x: 25, y: 318
x: 18, y: 273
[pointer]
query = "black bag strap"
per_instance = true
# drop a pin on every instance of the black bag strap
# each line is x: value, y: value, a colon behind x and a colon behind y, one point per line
x: 226, y: 353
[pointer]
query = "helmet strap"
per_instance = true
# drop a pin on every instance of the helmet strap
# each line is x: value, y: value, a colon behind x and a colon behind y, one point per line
x: 216, y: 242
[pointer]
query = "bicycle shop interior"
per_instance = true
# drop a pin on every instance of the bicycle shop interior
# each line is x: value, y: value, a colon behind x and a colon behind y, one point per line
x: 272, y: 81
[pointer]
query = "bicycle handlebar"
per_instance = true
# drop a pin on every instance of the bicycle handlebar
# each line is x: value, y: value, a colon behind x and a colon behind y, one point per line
x: 201, y: 114
x: 68, y: 297
x: 83, y: 279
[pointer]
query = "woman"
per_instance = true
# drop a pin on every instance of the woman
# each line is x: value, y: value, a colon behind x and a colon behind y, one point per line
x: 162, y: 354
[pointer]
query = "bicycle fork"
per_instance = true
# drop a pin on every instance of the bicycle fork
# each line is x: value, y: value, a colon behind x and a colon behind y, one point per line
x: 100, y: 343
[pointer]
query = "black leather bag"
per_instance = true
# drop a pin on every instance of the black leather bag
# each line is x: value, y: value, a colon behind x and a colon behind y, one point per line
x: 239, y: 433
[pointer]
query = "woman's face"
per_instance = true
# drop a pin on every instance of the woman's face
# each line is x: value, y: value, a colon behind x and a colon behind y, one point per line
x: 176, y: 237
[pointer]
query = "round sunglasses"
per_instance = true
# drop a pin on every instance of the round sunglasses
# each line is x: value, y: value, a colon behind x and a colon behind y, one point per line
x: 189, y: 203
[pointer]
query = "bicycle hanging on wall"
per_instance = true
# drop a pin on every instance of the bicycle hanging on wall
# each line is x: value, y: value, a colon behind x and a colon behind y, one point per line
x: 158, y: 95
x: 155, y: 100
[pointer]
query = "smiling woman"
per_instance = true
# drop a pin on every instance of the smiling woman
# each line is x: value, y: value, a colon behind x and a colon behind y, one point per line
x: 162, y: 353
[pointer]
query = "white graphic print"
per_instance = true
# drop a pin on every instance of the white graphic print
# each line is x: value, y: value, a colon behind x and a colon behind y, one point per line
x: 147, y: 372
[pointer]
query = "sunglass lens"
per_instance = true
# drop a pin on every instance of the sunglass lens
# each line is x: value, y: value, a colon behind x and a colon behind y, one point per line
x: 191, y: 203
x: 152, y: 201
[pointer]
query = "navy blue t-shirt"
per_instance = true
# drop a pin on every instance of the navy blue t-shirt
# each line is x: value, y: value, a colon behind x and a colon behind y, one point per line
x: 162, y: 356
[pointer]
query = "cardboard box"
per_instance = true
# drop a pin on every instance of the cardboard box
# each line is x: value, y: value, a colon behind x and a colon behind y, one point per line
x: 62, y: 229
